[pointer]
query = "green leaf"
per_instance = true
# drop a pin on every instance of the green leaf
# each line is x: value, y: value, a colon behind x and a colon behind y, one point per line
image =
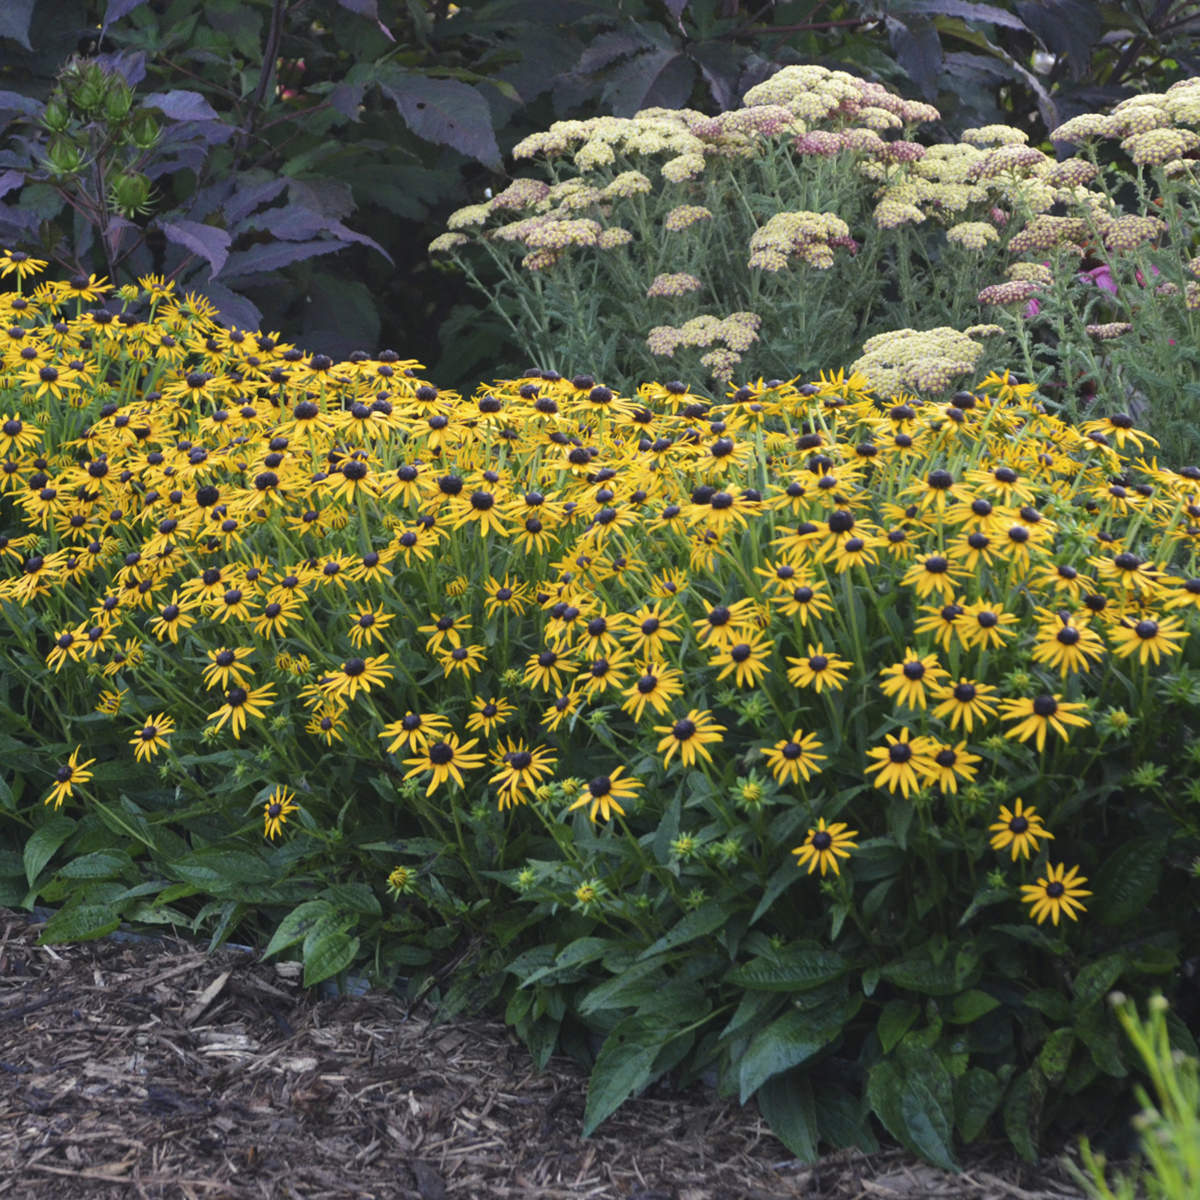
x: 296, y: 926
x: 355, y: 897
x: 789, y: 1041
x: 984, y: 898
x: 44, y: 842
x: 712, y: 914
x: 843, y: 1119
x: 1050, y: 1003
x: 569, y: 959
x: 969, y: 1006
x: 976, y: 1094
x: 1023, y: 1112
x: 921, y: 975
x: 83, y: 923
x: 895, y: 1021
x: 101, y: 864
x: 1055, y: 1055
x: 787, y: 1104
x: 912, y: 1095
x: 1095, y: 981
x: 1128, y: 880
x: 627, y: 990
x: 327, y: 956
x: 795, y: 968
x: 623, y: 1067
x: 1097, y: 1029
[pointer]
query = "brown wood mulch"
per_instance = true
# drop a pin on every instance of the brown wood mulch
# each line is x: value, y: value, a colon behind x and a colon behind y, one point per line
x: 150, y: 1068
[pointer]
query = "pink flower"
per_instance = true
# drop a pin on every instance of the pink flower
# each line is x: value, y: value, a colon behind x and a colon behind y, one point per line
x: 1032, y: 309
x: 1101, y: 276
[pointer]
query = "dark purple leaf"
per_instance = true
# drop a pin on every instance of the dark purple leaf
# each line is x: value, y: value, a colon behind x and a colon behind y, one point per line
x: 181, y: 105
x: 296, y: 224
x: 209, y: 242
x: 720, y: 64
x: 129, y: 64
x: 656, y: 79
x: 966, y: 10
x: 444, y: 111
x: 607, y: 48
x: 271, y: 256
x: 368, y: 8
x: 918, y: 50
x: 15, y: 223
x: 675, y: 7
x: 116, y: 10
x: 326, y: 196
x: 346, y: 98
x: 250, y: 197
x: 10, y: 180
x: 1069, y: 28
x: 14, y: 20
x: 15, y: 102
x: 233, y: 309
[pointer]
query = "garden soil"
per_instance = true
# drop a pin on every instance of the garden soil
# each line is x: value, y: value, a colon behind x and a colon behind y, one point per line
x: 150, y: 1068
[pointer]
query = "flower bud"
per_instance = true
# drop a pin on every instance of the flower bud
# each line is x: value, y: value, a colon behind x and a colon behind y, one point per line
x: 118, y: 100
x: 143, y: 129
x: 56, y: 116
x: 130, y: 193
x: 90, y: 88
x: 64, y: 157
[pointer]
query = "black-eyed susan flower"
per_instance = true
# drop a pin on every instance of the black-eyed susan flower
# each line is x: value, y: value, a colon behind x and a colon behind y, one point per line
x: 1036, y: 716
x: 964, y: 703
x: 228, y: 666
x: 1147, y: 636
x: 68, y: 777
x: 67, y: 646
x: 504, y: 596
x: 414, y: 731
x: 854, y: 551
x: 562, y: 708
x: 546, y: 669
x: 945, y: 622
x: 520, y: 770
x: 111, y: 701
x: 400, y: 881
x: 934, y: 575
x: 488, y: 714
x: 825, y: 845
x: 900, y: 764
x: 649, y: 631
x: 690, y: 735
x: 818, y: 669
x: 357, y: 675
x: 463, y: 660
x: 1056, y: 892
x: 1126, y: 571
x: 326, y: 723
x: 1019, y: 830
x: 240, y: 703
x: 1063, y: 642
x: 747, y: 661
x: 368, y: 625
x: 602, y: 795
x: 279, y: 805
x: 987, y: 624
x: 945, y: 765
x: 657, y: 686
x: 447, y: 758
x: 806, y: 601
x: 151, y: 737
x: 910, y: 680
x: 794, y: 758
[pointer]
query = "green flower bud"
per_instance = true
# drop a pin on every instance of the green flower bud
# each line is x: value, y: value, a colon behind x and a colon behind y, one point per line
x: 118, y: 100
x: 91, y: 87
x: 56, y: 116
x: 144, y: 129
x: 130, y: 194
x: 64, y: 157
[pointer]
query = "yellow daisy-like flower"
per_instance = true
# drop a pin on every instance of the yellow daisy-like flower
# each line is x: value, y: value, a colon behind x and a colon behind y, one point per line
x: 414, y: 731
x: 1055, y: 893
x: 276, y: 810
x: 1035, y: 717
x: 656, y: 687
x: 151, y: 737
x: 446, y: 759
x: 795, y: 758
x: 69, y: 776
x: 603, y: 794
x: 900, y: 764
x: 1019, y: 830
x: 825, y: 845
x: 1062, y: 642
x: 987, y: 624
x: 934, y: 575
x: 690, y: 736
x: 357, y: 675
x: 241, y: 703
x: 963, y: 703
x: 817, y: 669
x: 910, y: 680
x: 944, y: 765
x: 488, y: 714
x: 747, y: 661
x: 1149, y: 637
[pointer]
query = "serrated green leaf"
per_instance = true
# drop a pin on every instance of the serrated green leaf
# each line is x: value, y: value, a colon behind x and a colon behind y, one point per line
x: 795, y: 968
x: 328, y: 955
x: 976, y: 1094
x: 83, y: 923
x: 969, y: 1006
x: 101, y: 864
x: 712, y: 914
x: 1055, y: 1055
x: 913, y: 1098
x: 43, y: 843
x: 1023, y: 1112
x: 296, y: 926
x: 623, y: 1067
x: 354, y: 897
x: 789, y: 1041
x: 843, y: 1119
x: 786, y: 1102
x: 568, y: 960
x: 895, y: 1020
x: 1128, y: 880
x: 1096, y: 980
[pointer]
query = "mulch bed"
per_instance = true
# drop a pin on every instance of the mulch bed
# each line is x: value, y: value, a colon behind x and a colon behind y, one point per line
x: 150, y: 1068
